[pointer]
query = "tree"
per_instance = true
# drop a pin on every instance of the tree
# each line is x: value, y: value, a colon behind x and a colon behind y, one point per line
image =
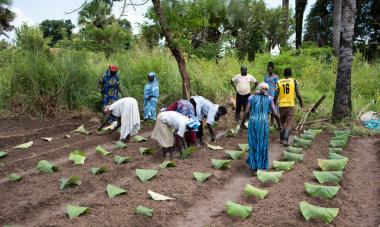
x: 337, y: 16
x: 6, y: 17
x: 342, y: 101
x: 300, y: 9
x: 285, y: 19
x: 30, y: 38
x: 56, y: 30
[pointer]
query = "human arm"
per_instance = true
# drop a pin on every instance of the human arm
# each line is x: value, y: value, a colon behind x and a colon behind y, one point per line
x: 276, y: 93
x: 276, y: 115
x: 212, y: 133
x: 233, y: 85
x: 298, y: 94
x: 103, y: 121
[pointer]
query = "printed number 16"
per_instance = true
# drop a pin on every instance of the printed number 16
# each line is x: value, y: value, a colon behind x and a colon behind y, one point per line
x: 285, y: 88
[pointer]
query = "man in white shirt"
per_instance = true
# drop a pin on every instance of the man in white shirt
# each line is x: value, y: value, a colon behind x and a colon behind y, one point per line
x: 242, y: 85
x: 205, y: 109
x: 166, y: 123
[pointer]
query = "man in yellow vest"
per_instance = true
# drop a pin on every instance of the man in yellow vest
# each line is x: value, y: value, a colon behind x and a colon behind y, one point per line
x: 287, y: 89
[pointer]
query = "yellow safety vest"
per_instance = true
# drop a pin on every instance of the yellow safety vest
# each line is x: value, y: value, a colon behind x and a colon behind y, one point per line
x: 287, y: 92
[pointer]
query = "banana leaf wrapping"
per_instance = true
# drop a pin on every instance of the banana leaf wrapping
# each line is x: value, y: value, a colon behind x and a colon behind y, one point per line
x: 249, y: 190
x: 298, y: 142
x: 283, y: 166
x: 337, y: 150
x: 296, y: 150
x: 293, y: 157
x: 238, y: 210
x: 321, y: 191
x: 265, y: 176
x: 333, y: 155
x: 307, y: 136
x: 328, y: 176
x: 332, y: 164
x: 310, y: 211
x: 338, y: 143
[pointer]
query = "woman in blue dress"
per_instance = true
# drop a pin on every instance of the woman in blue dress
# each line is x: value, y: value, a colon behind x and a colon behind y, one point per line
x: 259, y: 105
x: 151, y: 94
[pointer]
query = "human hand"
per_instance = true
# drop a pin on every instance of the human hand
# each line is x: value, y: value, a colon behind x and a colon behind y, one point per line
x: 213, y: 137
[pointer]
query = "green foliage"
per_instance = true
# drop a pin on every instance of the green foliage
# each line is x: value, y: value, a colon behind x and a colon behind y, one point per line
x: 71, y: 181
x: 113, y: 190
x: 328, y: 176
x: 75, y: 211
x: 238, y: 210
x: 310, y: 211
x: 144, y: 211
x: 265, y: 176
x: 321, y: 191
x: 200, y: 177
x: 46, y: 167
x: 56, y: 30
x: 30, y: 38
x: 6, y: 16
x: 146, y: 174
x: 249, y: 190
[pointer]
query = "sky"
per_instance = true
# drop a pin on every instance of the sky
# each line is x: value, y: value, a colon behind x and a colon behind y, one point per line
x: 35, y: 11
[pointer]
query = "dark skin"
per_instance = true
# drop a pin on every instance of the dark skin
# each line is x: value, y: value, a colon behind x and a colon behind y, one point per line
x: 179, y: 145
x: 298, y: 94
x: 248, y: 112
x: 106, y: 115
x: 209, y: 126
x: 150, y: 79
x: 243, y: 72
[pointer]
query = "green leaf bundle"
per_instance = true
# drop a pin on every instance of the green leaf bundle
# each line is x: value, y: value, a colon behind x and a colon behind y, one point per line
x: 332, y: 165
x: 146, y: 151
x: 146, y: 174
x: 310, y: 211
x: 238, y: 210
x: 338, y: 143
x: 113, y: 190
x: 99, y: 149
x: 75, y: 211
x: 298, y: 142
x: 342, y: 133
x: 188, y: 152
x: 333, y: 155
x: 234, y: 155
x: 221, y: 163
x: 82, y: 130
x: 307, y: 136
x: 335, y: 150
x: 24, y: 145
x: 293, y: 157
x: 77, y: 157
x: 139, y: 139
x: 316, y: 131
x: 122, y: 159
x: 243, y: 147
x: 144, y: 211
x: 249, y: 190
x: 214, y: 147
x: 73, y: 180
x: 283, y: 166
x: 328, y: 176
x: 46, y: 167
x: 3, y: 154
x: 200, y: 177
x: 265, y: 176
x: 321, y: 191
x: 14, y: 177
x: 296, y: 150
x: 168, y: 164
x: 98, y: 170
x: 120, y: 145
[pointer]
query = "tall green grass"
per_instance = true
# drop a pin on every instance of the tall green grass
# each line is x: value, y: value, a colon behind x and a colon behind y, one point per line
x: 43, y: 83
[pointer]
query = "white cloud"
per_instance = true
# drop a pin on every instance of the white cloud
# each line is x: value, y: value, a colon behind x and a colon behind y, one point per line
x: 21, y: 18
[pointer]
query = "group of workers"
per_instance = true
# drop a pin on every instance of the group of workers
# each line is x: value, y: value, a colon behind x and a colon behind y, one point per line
x: 181, y: 124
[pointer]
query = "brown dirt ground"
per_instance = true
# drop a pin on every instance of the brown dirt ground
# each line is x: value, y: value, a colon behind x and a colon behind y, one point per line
x: 37, y: 201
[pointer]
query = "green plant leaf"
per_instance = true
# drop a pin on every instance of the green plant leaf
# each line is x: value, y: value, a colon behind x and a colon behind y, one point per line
x: 102, y: 151
x: 332, y: 165
x: 200, y: 177
x: 310, y: 211
x: 122, y: 159
x: 213, y: 147
x: 82, y: 130
x: 167, y: 164
x: 321, y: 191
x: 338, y: 143
x: 113, y: 191
x: 283, y: 166
x: 146, y: 151
x: 139, y: 139
x: 335, y: 150
x: 340, y: 137
x: 146, y: 174
x: 316, y: 131
x: 14, y: 177
x: 221, y: 163
x: 75, y: 211
x: 235, y: 155
x: 24, y: 145
x: 310, y: 132
x: 98, y: 170
x: 77, y: 157
x: 295, y: 150
x: 144, y: 211
x: 298, y: 142
x: 73, y: 180
x: 328, y: 176
x: 120, y: 145
x: 265, y: 176
x: 188, y: 152
x: 293, y: 157
x: 333, y: 155
x: 3, y: 154
x: 238, y: 210
x: 307, y: 136
x: 243, y: 147
x: 342, y: 133
x: 249, y: 190
x: 158, y: 197
x: 46, y: 167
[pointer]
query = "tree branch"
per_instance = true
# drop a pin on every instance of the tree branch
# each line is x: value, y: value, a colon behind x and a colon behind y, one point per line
x: 84, y: 3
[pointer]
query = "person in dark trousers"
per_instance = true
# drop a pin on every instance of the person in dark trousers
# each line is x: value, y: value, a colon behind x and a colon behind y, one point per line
x: 287, y: 89
x: 242, y: 85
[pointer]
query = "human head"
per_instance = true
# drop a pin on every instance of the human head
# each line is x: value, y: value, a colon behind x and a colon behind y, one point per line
x: 270, y: 67
x: 222, y: 110
x: 106, y: 109
x: 113, y: 69
x: 263, y: 88
x: 151, y: 76
x: 243, y: 70
x: 287, y: 72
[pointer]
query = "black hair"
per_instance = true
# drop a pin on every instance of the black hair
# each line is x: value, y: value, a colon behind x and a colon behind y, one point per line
x: 287, y: 72
x: 222, y: 110
x: 270, y: 64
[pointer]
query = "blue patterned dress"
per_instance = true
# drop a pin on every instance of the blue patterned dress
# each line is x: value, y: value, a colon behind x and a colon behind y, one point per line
x: 109, y: 90
x: 258, y: 132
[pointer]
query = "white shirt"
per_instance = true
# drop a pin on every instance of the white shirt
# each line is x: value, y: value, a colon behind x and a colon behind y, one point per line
x: 243, y: 83
x: 175, y: 120
x: 205, y: 109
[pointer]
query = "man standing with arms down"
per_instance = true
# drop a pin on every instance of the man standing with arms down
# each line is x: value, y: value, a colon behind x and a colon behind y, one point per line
x: 242, y: 85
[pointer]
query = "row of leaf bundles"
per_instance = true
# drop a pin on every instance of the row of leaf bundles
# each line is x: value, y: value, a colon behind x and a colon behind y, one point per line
x: 340, y: 139
x: 332, y: 164
x: 304, y: 143
x: 288, y: 156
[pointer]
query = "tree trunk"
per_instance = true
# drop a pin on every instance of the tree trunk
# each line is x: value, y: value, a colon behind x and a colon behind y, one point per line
x: 337, y: 16
x: 285, y: 21
x: 300, y: 9
x: 173, y: 48
x: 342, y: 102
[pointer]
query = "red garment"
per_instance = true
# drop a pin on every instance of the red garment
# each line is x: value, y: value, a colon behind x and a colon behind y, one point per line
x: 172, y: 107
x: 113, y: 68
